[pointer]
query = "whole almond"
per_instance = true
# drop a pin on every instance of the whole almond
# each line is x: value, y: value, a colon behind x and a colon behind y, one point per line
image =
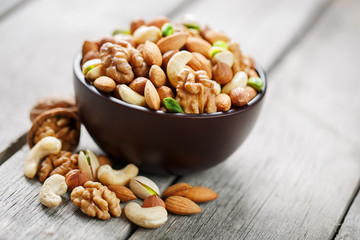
x: 105, y: 84
x: 173, y: 41
x: 199, y: 62
x: 152, y: 54
x: 164, y: 92
x: 214, y: 35
x: 157, y: 76
x: 135, y: 24
x: 158, y: 21
x: 181, y: 206
x: 89, y: 46
x: 122, y: 192
x: 167, y: 55
x: 151, y: 96
x: 222, y: 73
x: 138, y: 85
x: 194, y: 44
x: 179, y: 189
x: 201, y: 194
x: 153, y: 201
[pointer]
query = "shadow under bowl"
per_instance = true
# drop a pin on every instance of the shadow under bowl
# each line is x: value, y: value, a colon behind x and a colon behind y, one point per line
x: 159, y: 142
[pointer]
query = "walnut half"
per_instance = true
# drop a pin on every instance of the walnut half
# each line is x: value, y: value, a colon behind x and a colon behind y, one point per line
x: 61, y: 123
x: 96, y: 200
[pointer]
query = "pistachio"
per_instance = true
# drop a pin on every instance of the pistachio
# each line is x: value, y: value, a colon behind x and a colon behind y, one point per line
x: 143, y: 187
x: 225, y: 57
x: 167, y: 29
x: 88, y: 163
x: 221, y: 44
x: 90, y: 65
x: 172, y: 105
x: 256, y: 83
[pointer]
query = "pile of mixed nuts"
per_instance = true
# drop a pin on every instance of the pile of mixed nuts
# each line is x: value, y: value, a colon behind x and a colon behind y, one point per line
x: 94, y: 185
x: 180, y: 68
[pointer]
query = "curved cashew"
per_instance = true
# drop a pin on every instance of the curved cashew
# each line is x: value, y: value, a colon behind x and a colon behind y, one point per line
x: 109, y: 176
x: 130, y: 96
x: 152, y: 217
x: 176, y: 64
x: 239, y: 80
x: 46, y: 146
x: 53, y: 187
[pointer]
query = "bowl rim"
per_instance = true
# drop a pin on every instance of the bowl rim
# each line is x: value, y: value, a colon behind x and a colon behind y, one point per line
x: 80, y: 77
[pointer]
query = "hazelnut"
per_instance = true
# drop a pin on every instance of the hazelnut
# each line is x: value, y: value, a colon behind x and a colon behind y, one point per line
x: 241, y: 96
x: 153, y: 201
x: 222, y: 73
x: 223, y: 102
x: 76, y: 178
x: 164, y: 92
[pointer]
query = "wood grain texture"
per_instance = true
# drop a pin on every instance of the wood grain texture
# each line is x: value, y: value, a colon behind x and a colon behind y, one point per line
x: 20, y: 206
x: 39, y: 42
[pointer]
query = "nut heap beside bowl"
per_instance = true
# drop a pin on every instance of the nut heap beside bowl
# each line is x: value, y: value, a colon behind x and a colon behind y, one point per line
x: 176, y: 68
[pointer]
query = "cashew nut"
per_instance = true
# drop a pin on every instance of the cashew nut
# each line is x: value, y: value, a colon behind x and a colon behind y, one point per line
x: 239, y: 80
x: 176, y: 64
x: 53, y: 187
x: 109, y: 176
x: 152, y: 217
x: 130, y: 96
x: 46, y: 146
x: 144, y: 33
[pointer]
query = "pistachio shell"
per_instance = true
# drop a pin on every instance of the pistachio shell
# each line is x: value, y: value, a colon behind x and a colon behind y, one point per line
x: 143, y: 187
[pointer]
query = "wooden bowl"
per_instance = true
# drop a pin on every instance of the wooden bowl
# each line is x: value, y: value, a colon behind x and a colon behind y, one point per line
x: 159, y: 142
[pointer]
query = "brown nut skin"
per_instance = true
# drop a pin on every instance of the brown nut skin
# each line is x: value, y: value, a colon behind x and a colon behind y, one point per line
x: 178, y: 189
x: 151, y: 54
x: 76, y: 178
x: 153, y: 201
x: 157, y: 76
x: 89, y: 46
x: 223, y: 102
x: 158, y: 21
x: 123, y: 193
x: 138, y: 85
x: 167, y: 55
x: 105, y: 84
x: 105, y: 40
x: 104, y: 160
x: 52, y: 102
x: 222, y: 73
x: 164, y: 92
x: 56, y: 112
x: 135, y: 24
x: 241, y: 96
x: 89, y: 56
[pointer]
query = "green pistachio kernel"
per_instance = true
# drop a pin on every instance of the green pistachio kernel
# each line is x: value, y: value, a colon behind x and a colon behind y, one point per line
x: 192, y: 26
x: 121, y: 31
x: 149, y: 189
x: 215, y: 50
x: 86, y: 70
x: 167, y: 29
x: 221, y: 44
x: 256, y: 83
x: 172, y: 105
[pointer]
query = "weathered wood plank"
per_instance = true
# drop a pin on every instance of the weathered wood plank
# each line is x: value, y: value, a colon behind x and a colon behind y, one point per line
x: 297, y: 173
x: 20, y: 207
x: 39, y: 42
x: 350, y: 228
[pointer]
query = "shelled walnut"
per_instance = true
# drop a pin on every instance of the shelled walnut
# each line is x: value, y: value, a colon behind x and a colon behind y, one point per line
x: 96, y: 200
x: 60, y: 163
x: 196, y: 92
x: 61, y: 123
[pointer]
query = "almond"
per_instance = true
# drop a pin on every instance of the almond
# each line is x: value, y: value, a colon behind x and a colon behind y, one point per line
x: 179, y: 189
x: 123, y: 193
x: 181, y: 206
x: 135, y: 24
x: 164, y: 92
x: 89, y: 46
x: 151, y: 96
x: 213, y: 35
x: 199, y: 62
x: 222, y: 73
x: 167, y: 55
x: 153, y: 201
x: 157, y: 76
x: 201, y: 194
x: 174, y: 41
x: 158, y: 21
x: 152, y: 54
x: 194, y: 44
x: 105, y: 84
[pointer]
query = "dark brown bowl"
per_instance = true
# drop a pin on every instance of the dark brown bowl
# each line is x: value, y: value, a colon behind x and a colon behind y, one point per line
x: 158, y: 142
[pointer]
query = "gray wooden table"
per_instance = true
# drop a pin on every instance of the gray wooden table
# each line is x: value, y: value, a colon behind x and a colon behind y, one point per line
x: 296, y: 176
